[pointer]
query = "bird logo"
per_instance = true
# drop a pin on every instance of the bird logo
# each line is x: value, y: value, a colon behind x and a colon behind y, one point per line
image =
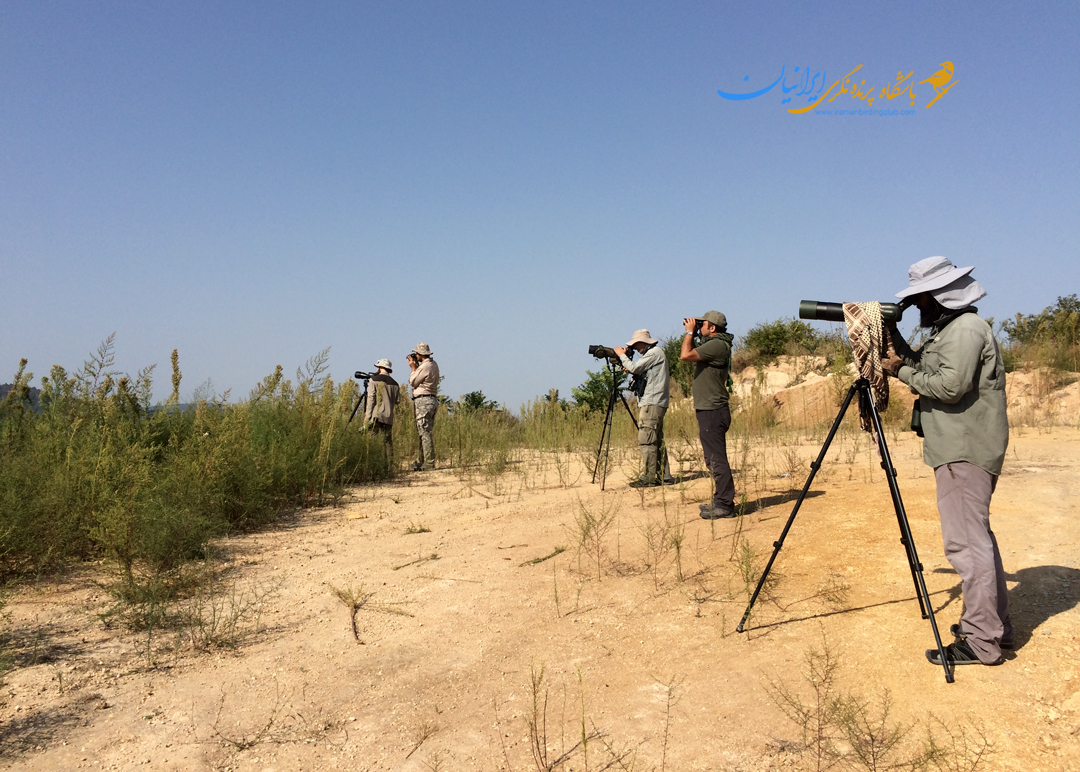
x: 939, y: 80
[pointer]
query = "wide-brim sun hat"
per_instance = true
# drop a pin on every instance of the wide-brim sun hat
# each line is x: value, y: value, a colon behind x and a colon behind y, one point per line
x: 385, y: 365
x: 931, y: 274
x: 422, y: 349
x: 642, y: 336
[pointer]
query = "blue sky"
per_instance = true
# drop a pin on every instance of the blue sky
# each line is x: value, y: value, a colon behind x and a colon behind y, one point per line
x: 253, y: 182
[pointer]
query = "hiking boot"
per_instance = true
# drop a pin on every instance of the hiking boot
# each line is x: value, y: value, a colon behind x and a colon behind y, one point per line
x: 670, y: 481
x: 643, y: 483
x: 958, y: 653
x: 959, y: 634
x: 710, y: 512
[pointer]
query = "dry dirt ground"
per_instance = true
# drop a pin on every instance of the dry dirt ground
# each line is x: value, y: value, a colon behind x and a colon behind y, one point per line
x: 455, y: 623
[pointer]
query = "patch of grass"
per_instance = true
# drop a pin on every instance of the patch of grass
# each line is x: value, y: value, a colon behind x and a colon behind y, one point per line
x: 413, y: 528
x: 845, y: 729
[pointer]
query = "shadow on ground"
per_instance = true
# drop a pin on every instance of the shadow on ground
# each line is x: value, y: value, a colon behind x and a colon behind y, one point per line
x: 1041, y: 593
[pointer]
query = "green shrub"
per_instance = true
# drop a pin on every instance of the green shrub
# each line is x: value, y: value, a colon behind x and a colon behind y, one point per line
x: 596, y: 390
x: 1050, y: 338
x: 766, y: 342
x: 100, y: 472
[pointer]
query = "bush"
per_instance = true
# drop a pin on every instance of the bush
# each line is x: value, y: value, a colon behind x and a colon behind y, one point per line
x: 766, y: 342
x: 1050, y: 338
x: 594, y: 393
x: 100, y: 472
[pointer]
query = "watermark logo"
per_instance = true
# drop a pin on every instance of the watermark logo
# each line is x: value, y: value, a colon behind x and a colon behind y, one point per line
x: 803, y: 84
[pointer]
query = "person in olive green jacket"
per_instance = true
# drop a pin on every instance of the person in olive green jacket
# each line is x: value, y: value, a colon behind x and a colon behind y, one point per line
x: 712, y: 358
x: 960, y: 379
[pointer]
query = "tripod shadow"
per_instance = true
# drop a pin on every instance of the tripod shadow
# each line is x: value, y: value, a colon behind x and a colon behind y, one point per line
x: 1041, y: 593
x: 688, y: 476
x: 762, y: 502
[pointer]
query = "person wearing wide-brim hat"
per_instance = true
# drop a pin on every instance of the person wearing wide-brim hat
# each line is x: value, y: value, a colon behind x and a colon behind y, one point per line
x: 652, y: 387
x: 711, y: 356
x: 424, y: 380
x: 960, y: 379
x: 383, y: 393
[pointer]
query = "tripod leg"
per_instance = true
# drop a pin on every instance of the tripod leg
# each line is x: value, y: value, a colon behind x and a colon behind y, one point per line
x: 600, y: 450
x: 359, y: 402
x: 606, y: 431
x: 798, y: 503
x: 906, y: 538
x: 628, y: 411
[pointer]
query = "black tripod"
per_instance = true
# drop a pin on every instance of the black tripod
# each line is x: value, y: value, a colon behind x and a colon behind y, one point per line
x: 605, y: 434
x: 361, y: 400
x: 866, y: 407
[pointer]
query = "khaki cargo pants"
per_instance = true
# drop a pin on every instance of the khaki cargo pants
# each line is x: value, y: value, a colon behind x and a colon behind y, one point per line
x: 651, y: 442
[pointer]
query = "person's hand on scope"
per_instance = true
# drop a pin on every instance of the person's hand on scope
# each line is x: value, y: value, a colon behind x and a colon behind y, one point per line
x: 891, y: 362
x: 620, y: 351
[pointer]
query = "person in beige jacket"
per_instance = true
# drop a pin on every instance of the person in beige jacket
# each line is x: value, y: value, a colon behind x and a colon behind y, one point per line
x: 383, y: 393
x: 424, y: 380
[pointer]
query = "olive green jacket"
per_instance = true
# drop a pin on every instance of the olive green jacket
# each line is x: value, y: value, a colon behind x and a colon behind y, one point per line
x: 960, y: 379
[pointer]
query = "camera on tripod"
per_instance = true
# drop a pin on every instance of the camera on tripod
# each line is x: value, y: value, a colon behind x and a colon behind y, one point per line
x: 603, y: 352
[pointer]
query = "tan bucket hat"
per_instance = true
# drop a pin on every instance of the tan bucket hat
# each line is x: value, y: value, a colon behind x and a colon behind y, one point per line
x: 641, y: 336
x: 422, y: 349
x: 385, y: 364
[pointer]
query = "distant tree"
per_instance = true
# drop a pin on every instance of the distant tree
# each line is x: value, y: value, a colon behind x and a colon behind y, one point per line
x: 475, y: 401
x: 1048, y: 338
x: 681, y: 372
x: 596, y: 389
x: 552, y: 399
x: 1059, y: 323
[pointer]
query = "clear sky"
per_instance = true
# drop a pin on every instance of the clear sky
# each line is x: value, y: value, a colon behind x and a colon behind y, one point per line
x: 253, y: 182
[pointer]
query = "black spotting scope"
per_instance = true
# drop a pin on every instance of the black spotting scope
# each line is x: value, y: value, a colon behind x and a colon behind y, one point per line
x: 834, y: 312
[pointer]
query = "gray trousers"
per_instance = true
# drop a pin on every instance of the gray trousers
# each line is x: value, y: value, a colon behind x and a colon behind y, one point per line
x: 963, y: 497
x: 651, y: 442
x: 712, y: 429
x: 426, y: 407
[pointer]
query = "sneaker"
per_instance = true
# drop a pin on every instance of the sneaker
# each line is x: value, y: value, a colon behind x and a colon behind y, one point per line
x: 709, y: 512
x: 959, y: 634
x: 958, y: 653
x: 643, y: 483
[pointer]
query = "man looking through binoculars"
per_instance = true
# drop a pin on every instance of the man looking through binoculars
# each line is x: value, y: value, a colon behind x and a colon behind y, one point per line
x: 712, y: 358
x: 652, y: 386
x: 424, y: 380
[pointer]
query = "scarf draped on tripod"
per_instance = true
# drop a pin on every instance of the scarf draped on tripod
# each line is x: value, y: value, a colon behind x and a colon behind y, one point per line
x: 868, y: 344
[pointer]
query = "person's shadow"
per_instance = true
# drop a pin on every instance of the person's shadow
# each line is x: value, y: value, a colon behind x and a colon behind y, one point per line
x: 1041, y: 593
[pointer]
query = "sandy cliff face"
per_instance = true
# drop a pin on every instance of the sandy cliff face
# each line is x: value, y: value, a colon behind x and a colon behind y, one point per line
x: 802, y: 392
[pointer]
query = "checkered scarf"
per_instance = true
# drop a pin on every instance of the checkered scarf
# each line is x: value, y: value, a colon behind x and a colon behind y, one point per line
x: 868, y: 343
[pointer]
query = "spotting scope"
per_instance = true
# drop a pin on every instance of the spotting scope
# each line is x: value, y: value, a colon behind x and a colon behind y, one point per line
x: 834, y: 312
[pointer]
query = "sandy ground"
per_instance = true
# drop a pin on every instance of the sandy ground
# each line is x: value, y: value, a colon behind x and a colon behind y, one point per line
x: 456, y: 623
